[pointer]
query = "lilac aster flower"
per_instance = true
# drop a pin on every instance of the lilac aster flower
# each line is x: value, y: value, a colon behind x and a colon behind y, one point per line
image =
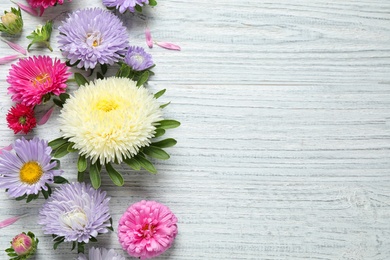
x: 93, y: 36
x: 138, y: 59
x: 29, y: 169
x: 76, y: 212
x: 101, y: 254
x: 124, y: 5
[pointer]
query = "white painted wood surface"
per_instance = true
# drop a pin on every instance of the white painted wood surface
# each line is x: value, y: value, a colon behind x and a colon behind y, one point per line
x: 283, y: 152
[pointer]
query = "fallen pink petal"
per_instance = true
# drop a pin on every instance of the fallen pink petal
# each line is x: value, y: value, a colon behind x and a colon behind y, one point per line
x: 148, y: 37
x: 7, y: 59
x: 7, y: 148
x: 10, y: 221
x: 27, y: 9
x: 46, y: 116
x: 168, y: 45
x: 15, y: 46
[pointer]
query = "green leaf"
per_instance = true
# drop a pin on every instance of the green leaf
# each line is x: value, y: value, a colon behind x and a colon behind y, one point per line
x: 110, y: 227
x: 156, y: 152
x: 99, y: 75
x: 82, y: 163
x: 115, y: 176
x: 60, y: 180
x: 93, y: 239
x: 58, y: 164
x: 62, y: 150
x: 152, y: 2
x: 138, y: 8
x: 104, y: 68
x: 80, y: 247
x: 146, y: 164
x: 64, y: 96
x: 124, y: 71
x: 56, y: 244
x: 133, y: 163
x: 143, y: 79
x: 159, y: 132
x: 45, y: 193
x: 74, y: 243
x: 165, y: 105
x: 80, y: 79
x: 159, y: 94
x: 169, y: 142
x: 94, y: 175
x: 56, y: 143
x: 32, y: 197
x: 21, y: 197
x: 71, y: 149
x: 80, y: 176
x: 58, y: 102
x: 168, y: 124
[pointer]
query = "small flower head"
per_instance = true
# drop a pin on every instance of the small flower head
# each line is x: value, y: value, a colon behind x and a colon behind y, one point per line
x: 101, y: 254
x: 23, y: 245
x: 147, y: 229
x: 29, y: 169
x: 77, y: 212
x: 41, y: 35
x: 128, y: 5
x: 21, y: 118
x: 12, y: 22
x: 138, y: 59
x: 44, y: 3
x: 88, y: 42
x: 34, y: 79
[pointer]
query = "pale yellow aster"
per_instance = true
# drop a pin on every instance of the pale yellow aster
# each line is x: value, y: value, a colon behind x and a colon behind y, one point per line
x: 110, y: 119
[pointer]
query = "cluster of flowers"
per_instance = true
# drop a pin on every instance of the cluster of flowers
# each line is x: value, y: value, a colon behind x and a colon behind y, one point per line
x: 107, y: 121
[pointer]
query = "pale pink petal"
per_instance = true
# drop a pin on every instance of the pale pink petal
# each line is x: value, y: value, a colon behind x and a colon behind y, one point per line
x: 27, y: 9
x: 10, y: 221
x: 46, y: 116
x: 7, y: 148
x: 168, y: 45
x: 15, y: 46
x: 148, y: 37
x: 6, y: 59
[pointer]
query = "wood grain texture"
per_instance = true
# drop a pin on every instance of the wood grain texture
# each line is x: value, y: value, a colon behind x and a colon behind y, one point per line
x: 283, y: 152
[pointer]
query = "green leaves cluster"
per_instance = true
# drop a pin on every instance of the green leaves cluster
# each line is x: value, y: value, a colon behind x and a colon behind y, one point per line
x: 141, y: 77
x: 41, y: 35
x: 152, y: 3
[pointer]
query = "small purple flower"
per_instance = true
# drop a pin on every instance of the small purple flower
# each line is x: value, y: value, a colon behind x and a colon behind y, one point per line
x: 124, y: 5
x: 138, y: 59
x: 93, y: 36
x: 101, y: 254
x: 76, y: 212
x: 29, y: 169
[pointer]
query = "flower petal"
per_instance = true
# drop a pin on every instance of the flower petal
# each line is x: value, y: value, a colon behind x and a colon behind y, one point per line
x: 6, y: 59
x: 10, y: 221
x: 46, y: 116
x: 168, y: 45
x: 27, y: 9
x: 6, y: 148
x: 148, y: 37
x: 15, y: 46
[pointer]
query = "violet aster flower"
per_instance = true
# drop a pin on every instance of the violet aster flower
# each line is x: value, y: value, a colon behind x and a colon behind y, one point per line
x: 93, y: 36
x: 138, y: 59
x: 77, y: 212
x: 124, y: 5
x: 29, y: 169
x: 101, y: 254
x: 147, y: 229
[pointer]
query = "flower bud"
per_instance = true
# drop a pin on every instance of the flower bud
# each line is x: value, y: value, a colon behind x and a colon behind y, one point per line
x: 23, y: 246
x: 12, y: 22
x: 41, y: 35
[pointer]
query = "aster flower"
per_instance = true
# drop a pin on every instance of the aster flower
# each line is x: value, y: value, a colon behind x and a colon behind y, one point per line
x: 101, y: 254
x: 92, y: 36
x: 138, y: 59
x: 147, y: 229
x: 128, y: 5
x: 21, y: 118
x: 36, y: 78
x: 44, y: 3
x: 29, y: 170
x: 12, y: 22
x: 75, y: 213
x: 23, y: 246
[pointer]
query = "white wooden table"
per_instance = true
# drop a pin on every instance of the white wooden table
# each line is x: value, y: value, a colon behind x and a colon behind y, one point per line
x: 284, y: 148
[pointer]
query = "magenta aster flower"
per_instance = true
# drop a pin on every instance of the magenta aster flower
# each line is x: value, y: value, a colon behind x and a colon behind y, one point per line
x: 21, y: 118
x: 29, y: 169
x: 33, y: 78
x: 124, y: 5
x: 93, y: 36
x: 101, y: 254
x: 45, y: 3
x: 147, y: 229
x: 77, y: 212
x: 138, y: 59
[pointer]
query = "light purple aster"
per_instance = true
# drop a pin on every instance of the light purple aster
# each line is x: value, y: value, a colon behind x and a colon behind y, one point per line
x: 101, y: 254
x: 76, y: 212
x: 28, y: 170
x: 138, y: 59
x: 124, y: 5
x: 93, y: 36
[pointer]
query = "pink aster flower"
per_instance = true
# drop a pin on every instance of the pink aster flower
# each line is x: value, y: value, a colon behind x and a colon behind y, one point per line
x: 35, y: 78
x: 21, y: 118
x: 147, y: 229
x: 44, y: 3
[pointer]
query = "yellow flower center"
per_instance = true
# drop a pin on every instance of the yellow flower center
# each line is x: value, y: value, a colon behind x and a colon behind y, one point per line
x: 41, y: 79
x: 93, y: 39
x: 31, y: 172
x: 106, y: 105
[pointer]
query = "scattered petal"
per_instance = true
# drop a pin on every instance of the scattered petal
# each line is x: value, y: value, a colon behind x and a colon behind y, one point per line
x: 6, y: 59
x: 10, y: 221
x: 148, y: 37
x: 7, y: 148
x: 27, y: 9
x: 15, y: 46
x: 46, y: 116
x: 168, y: 45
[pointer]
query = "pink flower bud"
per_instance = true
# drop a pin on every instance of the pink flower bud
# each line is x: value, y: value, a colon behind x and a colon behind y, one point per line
x: 22, y: 244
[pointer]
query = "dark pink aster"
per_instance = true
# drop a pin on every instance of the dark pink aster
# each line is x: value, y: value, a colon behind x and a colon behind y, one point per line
x: 147, y: 229
x: 21, y: 118
x: 45, y: 3
x: 33, y: 78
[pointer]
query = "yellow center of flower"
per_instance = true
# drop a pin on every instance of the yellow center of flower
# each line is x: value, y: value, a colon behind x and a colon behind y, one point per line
x: 31, y: 172
x: 106, y: 105
x: 94, y: 39
x: 41, y: 79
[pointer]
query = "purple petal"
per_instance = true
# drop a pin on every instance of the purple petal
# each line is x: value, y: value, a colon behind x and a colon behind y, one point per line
x: 148, y: 37
x: 6, y: 59
x: 168, y: 45
x: 46, y: 116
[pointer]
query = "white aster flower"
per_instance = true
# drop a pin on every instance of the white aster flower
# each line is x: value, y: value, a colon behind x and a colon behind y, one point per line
x: 110, y: 119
